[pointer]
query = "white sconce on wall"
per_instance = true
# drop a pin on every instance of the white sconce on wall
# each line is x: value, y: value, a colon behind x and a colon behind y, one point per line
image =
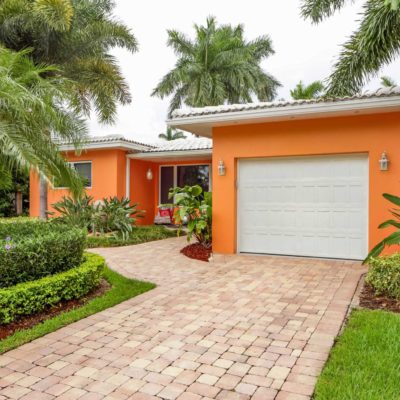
x: 149, y: 174
x: 384, y: 162
x: 221, y: 168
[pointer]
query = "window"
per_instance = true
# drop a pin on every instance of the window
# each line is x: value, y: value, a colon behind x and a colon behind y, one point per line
x: 166, y: 183
x: 182, y: 175
x: 84, y: 169
x: 193, y: 175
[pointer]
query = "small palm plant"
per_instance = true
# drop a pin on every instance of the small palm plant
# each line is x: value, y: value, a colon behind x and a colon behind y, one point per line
x: 172, y: 134
x: 393, y: 238
x: 307, y: 92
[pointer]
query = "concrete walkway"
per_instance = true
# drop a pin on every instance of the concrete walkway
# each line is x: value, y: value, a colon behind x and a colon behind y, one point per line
x: 241, y: 327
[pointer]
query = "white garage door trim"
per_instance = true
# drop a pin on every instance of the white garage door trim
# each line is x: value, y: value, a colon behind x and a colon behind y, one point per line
x: 347, y: 176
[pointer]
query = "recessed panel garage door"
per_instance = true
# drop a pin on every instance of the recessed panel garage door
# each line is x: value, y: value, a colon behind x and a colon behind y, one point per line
x: 305, y: 206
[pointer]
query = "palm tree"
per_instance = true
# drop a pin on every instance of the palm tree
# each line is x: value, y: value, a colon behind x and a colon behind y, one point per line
x: 172, y: 134
x: 218, y: 67
x: 32, y: 105
x: 387, y: 81
x: 375, y: 43
x: 311, y: 91
x: 75, y: 35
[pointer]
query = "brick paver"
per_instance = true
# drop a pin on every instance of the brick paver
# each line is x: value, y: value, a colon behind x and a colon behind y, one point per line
x: 240, y: 327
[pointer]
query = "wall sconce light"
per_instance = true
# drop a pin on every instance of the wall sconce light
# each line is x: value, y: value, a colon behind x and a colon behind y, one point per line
x: 221, y: 168
x: 384, y: 162
x: 149, y: 174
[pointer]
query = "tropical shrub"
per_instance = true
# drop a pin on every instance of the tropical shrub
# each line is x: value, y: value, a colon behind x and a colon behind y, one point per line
x: 115, y: 215
x: 109, y: 215
x: 75, y: 211
x: 194, y: 206
x: 35, y: 296
x: 384, y: 275
x: 34, y: 249
x: 393, y: 238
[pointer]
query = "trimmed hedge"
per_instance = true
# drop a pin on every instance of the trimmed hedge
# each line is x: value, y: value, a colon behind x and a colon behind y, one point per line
x: 32, y: 297
x: 33, y: 249
x: 384, y: 275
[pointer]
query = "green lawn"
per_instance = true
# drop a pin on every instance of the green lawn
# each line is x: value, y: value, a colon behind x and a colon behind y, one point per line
x: 140, y: 234
x: 365, y: 363
x: 122, y: 289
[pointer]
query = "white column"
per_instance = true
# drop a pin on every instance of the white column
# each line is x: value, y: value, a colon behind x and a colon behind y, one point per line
x: 128, y: 178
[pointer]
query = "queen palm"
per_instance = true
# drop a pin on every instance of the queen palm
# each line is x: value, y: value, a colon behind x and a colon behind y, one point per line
x: 30, y: 106
x: 77, y: 36
x: 375, y: 43
x: 172, y: 134
x: 307, y: 92
x: 218, y: 67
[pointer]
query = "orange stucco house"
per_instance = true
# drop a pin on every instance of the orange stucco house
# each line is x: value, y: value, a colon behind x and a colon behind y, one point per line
x: 115, y: 166
x: 301, y: 178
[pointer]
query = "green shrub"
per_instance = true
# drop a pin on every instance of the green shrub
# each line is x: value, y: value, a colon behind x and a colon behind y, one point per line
x: 140, y: 234
x: 109, y: 215
x: 35, y: 296
x: 34, y: 249
x: 194, y: 206
x: 384, y: 275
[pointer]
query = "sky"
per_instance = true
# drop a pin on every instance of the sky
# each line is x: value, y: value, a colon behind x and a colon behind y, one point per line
x: 303, y: 51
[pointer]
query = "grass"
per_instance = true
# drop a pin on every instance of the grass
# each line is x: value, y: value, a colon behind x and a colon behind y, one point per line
x: 140, y: 234
x: 365, y: 363
x: 122, y: 289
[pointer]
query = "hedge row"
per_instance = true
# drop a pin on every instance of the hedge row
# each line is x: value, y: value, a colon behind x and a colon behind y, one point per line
x: 31, y: 250
x: 32, y: 297
x: 384, y: 275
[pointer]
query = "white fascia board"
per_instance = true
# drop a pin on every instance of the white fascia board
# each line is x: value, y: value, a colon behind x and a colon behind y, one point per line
x: 205, y: 123
x: 106, y: 145
x: 177, y: 154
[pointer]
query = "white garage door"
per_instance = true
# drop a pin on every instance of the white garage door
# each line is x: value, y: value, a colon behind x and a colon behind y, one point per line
x: 305, y: 206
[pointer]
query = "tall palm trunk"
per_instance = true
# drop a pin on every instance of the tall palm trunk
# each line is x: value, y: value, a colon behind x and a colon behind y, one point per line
x: 43, y: 198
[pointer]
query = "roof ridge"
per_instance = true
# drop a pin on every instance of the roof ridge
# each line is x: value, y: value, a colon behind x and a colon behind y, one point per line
x: 381, y: 92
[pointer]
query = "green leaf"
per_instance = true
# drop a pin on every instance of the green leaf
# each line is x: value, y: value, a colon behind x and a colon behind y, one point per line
x: 393, y: 199
x: 390, y: 222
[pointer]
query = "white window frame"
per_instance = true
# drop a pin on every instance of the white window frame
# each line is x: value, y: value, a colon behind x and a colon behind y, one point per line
x: 79, y: 162
x: 175, y: 173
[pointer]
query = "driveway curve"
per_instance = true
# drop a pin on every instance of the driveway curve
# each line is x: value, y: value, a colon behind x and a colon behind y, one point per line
x: 239, y: 327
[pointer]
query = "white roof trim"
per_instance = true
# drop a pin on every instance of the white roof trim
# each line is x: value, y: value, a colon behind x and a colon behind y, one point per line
x: 177, y: 154
x: 203, y: 124
x: 121, y: 144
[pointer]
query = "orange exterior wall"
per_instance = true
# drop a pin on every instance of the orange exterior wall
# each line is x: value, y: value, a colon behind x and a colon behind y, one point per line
x: 108, y: 178
x: 370, y: 134
x: 146, y: 192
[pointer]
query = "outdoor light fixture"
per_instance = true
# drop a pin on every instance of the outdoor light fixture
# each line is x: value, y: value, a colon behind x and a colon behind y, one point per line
x: 149, y: 174
x: 384, y: 162
x: 221, y: 168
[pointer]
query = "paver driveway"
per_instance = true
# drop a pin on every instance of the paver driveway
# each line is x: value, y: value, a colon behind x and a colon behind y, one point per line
x: 240, y: 327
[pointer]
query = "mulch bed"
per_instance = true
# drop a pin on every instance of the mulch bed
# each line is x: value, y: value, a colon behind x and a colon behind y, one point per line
x: 32, y: 320
x: 369, y: 299
x: 197, y: 251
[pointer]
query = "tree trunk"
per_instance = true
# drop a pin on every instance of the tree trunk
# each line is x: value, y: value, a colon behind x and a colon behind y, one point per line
x: 43, y: 198
x: 18, y: 202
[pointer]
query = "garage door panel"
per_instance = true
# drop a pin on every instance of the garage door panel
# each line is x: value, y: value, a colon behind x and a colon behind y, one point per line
x: 313, y: 206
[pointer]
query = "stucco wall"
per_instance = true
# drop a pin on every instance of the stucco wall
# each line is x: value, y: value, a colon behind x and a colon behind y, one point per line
x: 108, y: 178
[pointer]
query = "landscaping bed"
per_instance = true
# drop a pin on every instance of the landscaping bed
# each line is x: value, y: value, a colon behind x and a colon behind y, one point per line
x: 30, y: 321
x: 47, y: 281
x: 139, y: 234
x: 197, y: 251
x: 122, y: 289
x: 373, y: 301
